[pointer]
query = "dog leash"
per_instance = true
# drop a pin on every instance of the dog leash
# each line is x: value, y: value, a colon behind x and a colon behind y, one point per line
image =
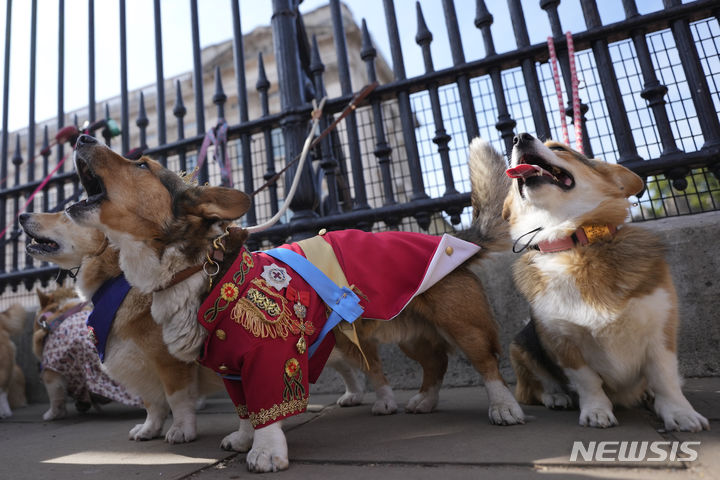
x: 367, y: 89
x: 309, y: 144
x: 68, y: 134
x: 65, y: 134
x: 577, y: 114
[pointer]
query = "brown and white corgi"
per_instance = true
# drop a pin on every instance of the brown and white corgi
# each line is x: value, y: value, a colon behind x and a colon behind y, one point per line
x: 135, y: 354
x: 12, y: 380
x: 167, y: 229
x: 604, y: 312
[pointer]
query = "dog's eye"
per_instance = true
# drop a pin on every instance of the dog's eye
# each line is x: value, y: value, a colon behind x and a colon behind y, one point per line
x: 556, y: 148
x: 143, y: 165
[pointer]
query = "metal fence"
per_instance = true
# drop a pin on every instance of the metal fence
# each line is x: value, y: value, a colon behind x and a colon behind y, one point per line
x: 650, y: 101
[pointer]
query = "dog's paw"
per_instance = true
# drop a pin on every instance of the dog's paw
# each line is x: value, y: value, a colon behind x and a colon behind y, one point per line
x: 350, y: 399
x: 143, y: 431
x: 685, y: 420
x: 82, y: 406
x: 385, y: 403
x: 180, y: 434
x: 238, y: 441
x: 506, y: 413
x: 557, y: 400
x: 53, y: 414
x: 384, y: 406
x: 597, y: 417
x: 269, y: 452
x: 422, y: 402
x: 262, y: 460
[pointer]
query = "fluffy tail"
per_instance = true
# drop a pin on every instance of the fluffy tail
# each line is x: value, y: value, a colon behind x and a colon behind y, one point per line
x: 489, y: 186
x: 13, y: 319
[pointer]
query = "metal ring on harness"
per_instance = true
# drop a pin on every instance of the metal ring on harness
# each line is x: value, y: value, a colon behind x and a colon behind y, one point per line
x: 205, y: 266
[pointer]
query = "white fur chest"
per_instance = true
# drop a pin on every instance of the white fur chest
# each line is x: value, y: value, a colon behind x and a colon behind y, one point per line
x: 562, y: 300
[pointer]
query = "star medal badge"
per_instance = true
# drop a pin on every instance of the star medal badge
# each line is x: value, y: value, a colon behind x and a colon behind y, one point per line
x: 276, y: 276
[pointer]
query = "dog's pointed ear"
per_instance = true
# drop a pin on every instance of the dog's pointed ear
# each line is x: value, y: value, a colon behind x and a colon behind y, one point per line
x: 43, y: 298
x: 627, y: 180
x: 212, y: 203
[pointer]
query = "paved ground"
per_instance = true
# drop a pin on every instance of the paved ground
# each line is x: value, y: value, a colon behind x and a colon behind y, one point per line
x: 456, y: 442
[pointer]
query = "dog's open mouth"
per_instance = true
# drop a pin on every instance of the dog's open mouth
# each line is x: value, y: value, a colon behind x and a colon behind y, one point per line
x: 92, y: 184
x: 533, y: 170
x: 41, y: 245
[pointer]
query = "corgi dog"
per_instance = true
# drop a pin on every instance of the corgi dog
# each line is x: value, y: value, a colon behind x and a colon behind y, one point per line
x: 603, y: 308
x: 12, y: 380
x: 134, y: 355
x: 69, y: 360
x: 260, y: 316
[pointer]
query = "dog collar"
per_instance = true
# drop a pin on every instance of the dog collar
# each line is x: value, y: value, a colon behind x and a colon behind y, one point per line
x: 51, y: 325
x: 584, y: 235
x: 211, y: 267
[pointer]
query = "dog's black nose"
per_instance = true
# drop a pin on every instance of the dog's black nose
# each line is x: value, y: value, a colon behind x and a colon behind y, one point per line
x: 85, y: 140
x: 23, y: 217
x: 522, y: 138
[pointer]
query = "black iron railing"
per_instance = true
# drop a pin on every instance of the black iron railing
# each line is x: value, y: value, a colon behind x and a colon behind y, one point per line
x: 650, y: 101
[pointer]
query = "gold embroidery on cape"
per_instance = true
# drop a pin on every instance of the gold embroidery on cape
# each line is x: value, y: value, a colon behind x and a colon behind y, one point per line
x: 278, y: 410
x: 223, y: 301
x: 293, y: 380
x: 242, y: 411
x: 263, y: 312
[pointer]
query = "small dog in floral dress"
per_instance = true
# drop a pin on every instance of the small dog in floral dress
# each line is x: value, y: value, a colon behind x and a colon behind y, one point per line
x: 70, y: 362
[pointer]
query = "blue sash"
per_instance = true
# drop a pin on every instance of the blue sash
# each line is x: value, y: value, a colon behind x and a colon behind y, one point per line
x: 343, y: 302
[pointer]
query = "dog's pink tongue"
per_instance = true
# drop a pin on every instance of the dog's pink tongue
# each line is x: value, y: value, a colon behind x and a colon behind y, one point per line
x: 524, y: 170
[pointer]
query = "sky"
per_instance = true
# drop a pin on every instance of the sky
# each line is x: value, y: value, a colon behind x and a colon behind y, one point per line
x: 215, y: 26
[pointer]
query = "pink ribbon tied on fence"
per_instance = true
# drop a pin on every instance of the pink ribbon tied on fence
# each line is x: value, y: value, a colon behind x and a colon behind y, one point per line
x: 574, y: 83
x: 216, y: 136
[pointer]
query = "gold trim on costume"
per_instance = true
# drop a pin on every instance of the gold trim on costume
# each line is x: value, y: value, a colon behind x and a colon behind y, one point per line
x: 263, y: 302
x: 250, y: 312
x: 278, y: 410
x: 242, y: 411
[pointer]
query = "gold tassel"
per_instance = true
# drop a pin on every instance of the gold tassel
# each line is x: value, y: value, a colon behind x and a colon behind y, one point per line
x: 254, y: 321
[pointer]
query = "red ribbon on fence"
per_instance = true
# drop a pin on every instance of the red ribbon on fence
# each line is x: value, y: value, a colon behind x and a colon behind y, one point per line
x: 65, y: 134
